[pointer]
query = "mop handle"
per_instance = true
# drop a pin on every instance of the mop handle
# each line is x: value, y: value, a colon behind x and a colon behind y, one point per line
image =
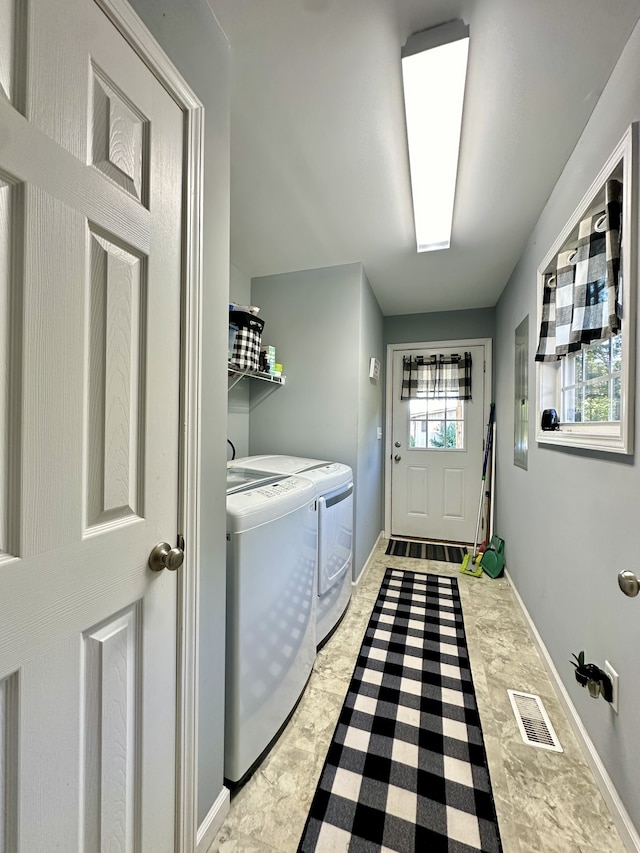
x: 487, y: 446
x: 487, y: 450
x: 493, y: 480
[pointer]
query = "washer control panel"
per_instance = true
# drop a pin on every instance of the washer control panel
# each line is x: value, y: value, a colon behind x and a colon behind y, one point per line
x: 277, y: 490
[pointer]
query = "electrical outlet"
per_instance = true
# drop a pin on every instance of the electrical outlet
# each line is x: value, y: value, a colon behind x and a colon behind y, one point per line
x: 613, y: 675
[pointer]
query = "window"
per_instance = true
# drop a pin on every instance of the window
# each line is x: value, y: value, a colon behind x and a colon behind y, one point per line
x: 436, y: 424
x: 589, y: 383
x: 592, y: 383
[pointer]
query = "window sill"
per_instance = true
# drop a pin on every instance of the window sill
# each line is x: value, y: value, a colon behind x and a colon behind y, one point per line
x: 605, y: 439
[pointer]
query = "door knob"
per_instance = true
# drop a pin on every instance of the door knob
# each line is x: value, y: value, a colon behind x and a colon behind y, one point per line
x: 397, y: 457
x: 163, y: 556
x: 629, y: 583
x: 398, y: 444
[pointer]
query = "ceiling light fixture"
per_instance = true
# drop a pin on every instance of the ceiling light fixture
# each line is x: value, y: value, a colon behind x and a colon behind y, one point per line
x: 434, y: 68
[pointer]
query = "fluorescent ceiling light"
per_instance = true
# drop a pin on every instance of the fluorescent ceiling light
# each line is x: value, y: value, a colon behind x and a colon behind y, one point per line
x: 434, y: 68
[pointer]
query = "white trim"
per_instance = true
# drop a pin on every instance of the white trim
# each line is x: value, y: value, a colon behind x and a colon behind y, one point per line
x: 621, y: 818
x: 134, y: 30
x: 368, y: 560
x: 189, y: 518
x: 210, y: 826
x: 487, y: 343
x: 136, y: 33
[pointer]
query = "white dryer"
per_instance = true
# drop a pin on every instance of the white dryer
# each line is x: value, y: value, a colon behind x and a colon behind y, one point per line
x: 271, y: 610
x: 334, y: 492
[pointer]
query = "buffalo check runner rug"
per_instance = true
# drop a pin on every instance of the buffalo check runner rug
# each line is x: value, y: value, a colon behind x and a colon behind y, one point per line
x: 406, y: 770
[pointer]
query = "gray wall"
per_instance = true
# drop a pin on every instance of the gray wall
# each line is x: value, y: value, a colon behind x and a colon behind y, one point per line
x: 440, y: 326
x: 316, y: 319
x: 369, y: 503
x: 570, y: 520
x: 189, y: 34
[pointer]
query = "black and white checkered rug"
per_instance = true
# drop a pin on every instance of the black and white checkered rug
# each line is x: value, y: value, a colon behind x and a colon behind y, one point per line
x: 406, y: 769
x: 426, y: 551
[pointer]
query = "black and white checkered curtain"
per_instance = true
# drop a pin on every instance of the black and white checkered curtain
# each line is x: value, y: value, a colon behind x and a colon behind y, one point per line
x: 581, y: 297
x: 436, y: 377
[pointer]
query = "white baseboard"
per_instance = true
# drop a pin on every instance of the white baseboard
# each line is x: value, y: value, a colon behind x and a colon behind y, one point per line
x: 209, y: 827
x: 368, y: 560
x: 623, y: 822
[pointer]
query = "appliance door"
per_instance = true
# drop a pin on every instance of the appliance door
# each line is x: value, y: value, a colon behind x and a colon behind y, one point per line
x: 335, y: 536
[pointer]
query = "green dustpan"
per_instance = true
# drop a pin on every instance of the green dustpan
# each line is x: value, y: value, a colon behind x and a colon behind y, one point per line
x: 492, y: 561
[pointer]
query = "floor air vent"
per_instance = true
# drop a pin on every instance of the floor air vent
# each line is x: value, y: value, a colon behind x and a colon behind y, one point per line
x: 533, y: 721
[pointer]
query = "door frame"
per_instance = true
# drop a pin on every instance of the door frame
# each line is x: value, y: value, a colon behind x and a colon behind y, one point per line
x: 133, y: 29
x: 408, y: 347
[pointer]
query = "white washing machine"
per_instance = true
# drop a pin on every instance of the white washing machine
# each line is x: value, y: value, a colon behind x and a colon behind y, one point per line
x: 271, y: 610
x: 334, y: 491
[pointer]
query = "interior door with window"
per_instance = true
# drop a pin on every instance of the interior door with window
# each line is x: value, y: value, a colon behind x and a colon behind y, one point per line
x: 91, y: 164
x: 437, y: 453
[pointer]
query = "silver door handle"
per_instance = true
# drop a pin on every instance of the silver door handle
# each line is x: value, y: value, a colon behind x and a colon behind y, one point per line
x: 397, y: 457
x: 398, y: 444
x: 163, y: 556
x: 629, y: 583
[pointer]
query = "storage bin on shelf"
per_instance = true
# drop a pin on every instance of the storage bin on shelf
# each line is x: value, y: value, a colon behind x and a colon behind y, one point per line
x: 245, y: 352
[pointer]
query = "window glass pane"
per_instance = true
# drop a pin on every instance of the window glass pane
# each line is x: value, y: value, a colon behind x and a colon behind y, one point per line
x: 457, y: 435
x: 446, y: 436
x: 437, y: 410
x: 597, y: 360
x: 577, y: 361
x: 616, y: 386
x: 417, y: 409
x: 417, y: 433
x: 578, y: 402
x: 436, y: 435
x: 569, y: 405
x: 616, y: 353
x: 596, y: 403
x: 453, y: 410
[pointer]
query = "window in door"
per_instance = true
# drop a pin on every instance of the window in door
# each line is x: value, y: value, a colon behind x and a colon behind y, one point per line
x: 436, y: 424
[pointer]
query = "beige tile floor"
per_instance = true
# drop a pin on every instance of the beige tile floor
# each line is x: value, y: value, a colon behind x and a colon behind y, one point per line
x: 546, y: 802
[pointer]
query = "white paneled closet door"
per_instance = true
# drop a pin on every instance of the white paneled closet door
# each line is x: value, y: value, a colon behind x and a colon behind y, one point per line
x: 90, y: 272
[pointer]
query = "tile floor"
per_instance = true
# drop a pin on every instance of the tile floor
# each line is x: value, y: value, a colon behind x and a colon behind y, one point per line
x: 546, y: 802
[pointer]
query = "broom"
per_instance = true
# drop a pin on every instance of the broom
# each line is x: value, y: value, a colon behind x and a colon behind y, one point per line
x: 487, y: 451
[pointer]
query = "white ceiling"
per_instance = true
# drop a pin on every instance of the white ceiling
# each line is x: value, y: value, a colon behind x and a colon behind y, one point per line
x: 319, y: 171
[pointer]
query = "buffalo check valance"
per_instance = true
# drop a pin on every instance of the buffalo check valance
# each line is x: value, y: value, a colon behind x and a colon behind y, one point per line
x: 436, y: 377
x: 581, y: 297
